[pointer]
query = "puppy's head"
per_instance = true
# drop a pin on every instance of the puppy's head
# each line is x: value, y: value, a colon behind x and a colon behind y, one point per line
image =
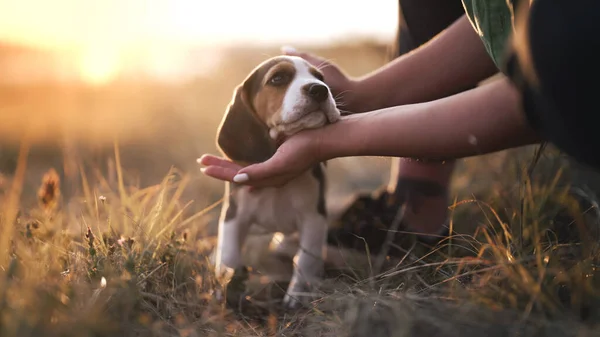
x: 280, y: 97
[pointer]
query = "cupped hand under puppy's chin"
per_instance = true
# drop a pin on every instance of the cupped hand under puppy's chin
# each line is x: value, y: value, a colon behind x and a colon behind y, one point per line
x: 296, y: 155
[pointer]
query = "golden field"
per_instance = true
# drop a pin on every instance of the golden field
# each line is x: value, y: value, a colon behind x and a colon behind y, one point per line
x: 107, y: 225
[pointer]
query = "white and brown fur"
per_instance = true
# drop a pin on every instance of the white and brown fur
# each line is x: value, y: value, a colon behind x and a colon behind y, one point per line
x: 280, y: 97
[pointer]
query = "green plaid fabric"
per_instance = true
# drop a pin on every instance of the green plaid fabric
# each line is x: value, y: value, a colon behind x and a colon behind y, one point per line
x: 493, y: 21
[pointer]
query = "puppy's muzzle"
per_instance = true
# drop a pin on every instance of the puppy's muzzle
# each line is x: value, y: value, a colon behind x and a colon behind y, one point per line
x: 318, y: 92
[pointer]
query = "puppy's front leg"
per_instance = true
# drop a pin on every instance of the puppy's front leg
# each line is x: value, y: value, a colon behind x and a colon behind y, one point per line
x: 309, y: 261
x: 233, y: 228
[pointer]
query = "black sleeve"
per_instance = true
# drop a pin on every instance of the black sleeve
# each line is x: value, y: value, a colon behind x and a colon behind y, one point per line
x: 552, y: 60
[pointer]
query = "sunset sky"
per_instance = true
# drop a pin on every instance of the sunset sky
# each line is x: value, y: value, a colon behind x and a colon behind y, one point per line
x: 104, y: 31
x: 120, y: 22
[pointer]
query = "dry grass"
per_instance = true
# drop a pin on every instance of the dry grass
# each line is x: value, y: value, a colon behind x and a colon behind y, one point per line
x: 106, y: 245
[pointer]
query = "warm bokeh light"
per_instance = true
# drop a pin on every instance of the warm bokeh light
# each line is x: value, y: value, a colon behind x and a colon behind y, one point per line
x: 99, y: 65
x: 159, y: 73
x: 106, y: 33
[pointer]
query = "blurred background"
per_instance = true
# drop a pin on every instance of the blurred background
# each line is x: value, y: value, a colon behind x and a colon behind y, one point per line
x: 154, y: 77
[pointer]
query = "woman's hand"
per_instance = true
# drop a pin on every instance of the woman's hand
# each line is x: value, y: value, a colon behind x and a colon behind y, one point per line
x: 296, y: 155
x: 476, y: 122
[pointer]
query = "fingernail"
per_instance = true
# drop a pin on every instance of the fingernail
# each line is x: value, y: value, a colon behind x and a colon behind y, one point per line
x: 203, y: 170
x: 241, y: 178
x: 288, y: 50
x: 199, y: 160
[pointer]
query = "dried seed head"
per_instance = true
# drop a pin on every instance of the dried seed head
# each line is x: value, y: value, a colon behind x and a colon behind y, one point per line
x: 90, y: 236
x: 49, y: 191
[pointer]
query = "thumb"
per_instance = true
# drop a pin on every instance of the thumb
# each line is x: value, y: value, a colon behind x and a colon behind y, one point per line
x: 266, y: 169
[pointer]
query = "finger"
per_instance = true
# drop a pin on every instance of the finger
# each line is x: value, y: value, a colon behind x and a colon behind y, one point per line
x: 270, y: 168
x: 228, y: 174
x: 210, y: 160
x: 219, y: 172
x: 314, y: 60
x: 277, y: 181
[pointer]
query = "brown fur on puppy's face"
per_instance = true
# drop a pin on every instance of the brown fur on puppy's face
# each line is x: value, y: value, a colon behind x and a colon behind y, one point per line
x: 268, y: 101
x: 283, y: 95
x: 293, y: 97
x: 242, y: 136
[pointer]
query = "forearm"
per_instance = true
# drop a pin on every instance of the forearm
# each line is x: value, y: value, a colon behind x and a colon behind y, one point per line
x: 453, y: 61
x: 479, y: 121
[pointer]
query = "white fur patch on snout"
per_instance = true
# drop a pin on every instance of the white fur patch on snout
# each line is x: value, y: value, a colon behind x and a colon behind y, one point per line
x: 298, y: 111
x: 310, y: 121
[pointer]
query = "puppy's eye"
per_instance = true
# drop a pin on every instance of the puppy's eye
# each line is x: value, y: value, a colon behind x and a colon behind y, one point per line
x: 278, y: 79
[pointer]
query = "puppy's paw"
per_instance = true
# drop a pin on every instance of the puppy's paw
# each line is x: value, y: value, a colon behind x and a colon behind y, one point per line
x: 299, y: 294
x: 233, y: 285
x: 223, y: 274
x: 291, y: 302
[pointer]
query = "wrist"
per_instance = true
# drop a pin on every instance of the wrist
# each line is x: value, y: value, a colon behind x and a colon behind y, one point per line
x: 366, y: 95
x: 355, y: 98
x: 358, y: 97
x: 341, y: 139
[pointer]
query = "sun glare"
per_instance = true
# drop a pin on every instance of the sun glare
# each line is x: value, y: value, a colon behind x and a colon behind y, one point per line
x: 164, y: 33
x: 99, y: 65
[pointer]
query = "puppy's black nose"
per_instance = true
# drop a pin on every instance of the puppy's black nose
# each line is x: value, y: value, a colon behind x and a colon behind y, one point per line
x: 318, y: 92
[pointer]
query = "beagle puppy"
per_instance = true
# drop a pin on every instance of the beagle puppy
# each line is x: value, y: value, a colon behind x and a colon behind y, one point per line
x: 280, y: 97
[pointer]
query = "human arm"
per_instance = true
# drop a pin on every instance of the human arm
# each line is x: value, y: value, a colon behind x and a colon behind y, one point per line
x: 475, y: 122
x: 453, y: 61
x: 478, y: 121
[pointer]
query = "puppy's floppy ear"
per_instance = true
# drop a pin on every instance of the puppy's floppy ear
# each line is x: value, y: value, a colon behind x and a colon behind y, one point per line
x: 242, y: 137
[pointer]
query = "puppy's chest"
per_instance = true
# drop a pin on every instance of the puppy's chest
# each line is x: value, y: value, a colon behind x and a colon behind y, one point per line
x: 280, y: 209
